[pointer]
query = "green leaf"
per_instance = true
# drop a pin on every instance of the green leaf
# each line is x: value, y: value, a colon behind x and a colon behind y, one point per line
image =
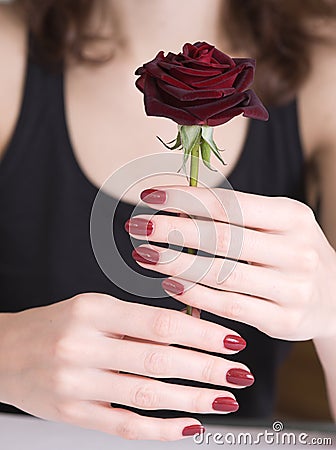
x: 189, y: 136
x: 207, y: 136
x: 186, y: 156
x: 177, y: 143
x: 218, y: 155
x: 206, y: 151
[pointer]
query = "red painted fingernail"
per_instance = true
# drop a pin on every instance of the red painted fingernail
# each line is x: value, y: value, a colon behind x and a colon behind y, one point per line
x: 153, y: 196
x: 227, y: 404
x: 192, y: 430
x: 172, y: 286
x: 146, y: 255
x: 235, y: 343
x: 141, y: 227
x: 240, y: 377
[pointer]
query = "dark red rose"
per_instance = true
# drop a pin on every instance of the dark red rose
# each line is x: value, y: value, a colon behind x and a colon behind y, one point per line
x: 200, y: 86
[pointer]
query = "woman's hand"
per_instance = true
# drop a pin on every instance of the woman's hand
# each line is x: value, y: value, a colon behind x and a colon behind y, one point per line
x: 68, y: 361
x: 287, y: 288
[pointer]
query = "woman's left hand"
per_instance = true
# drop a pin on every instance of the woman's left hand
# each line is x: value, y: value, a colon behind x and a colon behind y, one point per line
x: 287, y: 288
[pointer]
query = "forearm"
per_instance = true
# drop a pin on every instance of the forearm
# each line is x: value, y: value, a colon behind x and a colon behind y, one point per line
x: 326, y: 350
x: 7, y: 334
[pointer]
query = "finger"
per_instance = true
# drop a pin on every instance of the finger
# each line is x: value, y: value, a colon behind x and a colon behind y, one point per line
x: 159, y: 325
x: 128, y: 425
x: 145, y: 393
x: 227, y: 205
x: 157, y: 361
x: 219, y: 273
x: 195, y: 313
x: 216, y: 238
x: 231, y: 305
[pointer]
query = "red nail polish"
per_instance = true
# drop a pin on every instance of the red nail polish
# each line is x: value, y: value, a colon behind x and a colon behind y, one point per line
x: 172, y: 286
x: 192, y: 430
x: 153, y: 196
x: 140, y: 227
x: 227, y: 404
x: 240, y: 377
x: 235, y: 343
x: 146, y: 255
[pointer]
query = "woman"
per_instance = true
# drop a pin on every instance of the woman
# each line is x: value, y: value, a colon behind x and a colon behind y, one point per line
x: 65, y: 129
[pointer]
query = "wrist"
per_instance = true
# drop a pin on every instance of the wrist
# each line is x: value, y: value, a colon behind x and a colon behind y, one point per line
x: 325, y: 348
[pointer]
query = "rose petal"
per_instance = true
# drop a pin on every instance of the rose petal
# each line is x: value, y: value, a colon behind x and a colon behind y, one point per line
x: 177, y: 70
x: 214, y: 107
x: 154, y: 106
x: 224, y: 117
x: 222, y: 58
x: 191, y: 95
x: 189, y: 62
x: 155, y: 71
x: 253, y: 109
x: 140, y: 83
x: 245, y: 78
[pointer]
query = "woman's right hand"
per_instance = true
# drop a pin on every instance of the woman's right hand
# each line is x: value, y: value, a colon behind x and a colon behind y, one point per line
x: 68, y: 361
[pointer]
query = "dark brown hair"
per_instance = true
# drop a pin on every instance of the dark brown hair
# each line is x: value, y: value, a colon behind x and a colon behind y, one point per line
x: 275, y: 32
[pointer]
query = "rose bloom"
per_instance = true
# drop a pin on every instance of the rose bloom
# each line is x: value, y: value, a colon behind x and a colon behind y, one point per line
x: 200, y: 86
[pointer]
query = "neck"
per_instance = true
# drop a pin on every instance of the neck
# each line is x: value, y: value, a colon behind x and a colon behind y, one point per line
x: 147, y: 26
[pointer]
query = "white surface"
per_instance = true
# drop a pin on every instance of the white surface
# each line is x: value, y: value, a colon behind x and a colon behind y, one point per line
x: 28, y: 433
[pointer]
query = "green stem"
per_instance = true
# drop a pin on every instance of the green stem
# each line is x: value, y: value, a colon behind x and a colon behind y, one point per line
x: 193, y: 181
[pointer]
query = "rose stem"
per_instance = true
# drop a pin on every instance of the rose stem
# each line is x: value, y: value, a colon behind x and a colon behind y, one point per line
x: 193, y: 180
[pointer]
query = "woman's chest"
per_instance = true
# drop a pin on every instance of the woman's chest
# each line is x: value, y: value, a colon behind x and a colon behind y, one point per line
x: 111, y: 133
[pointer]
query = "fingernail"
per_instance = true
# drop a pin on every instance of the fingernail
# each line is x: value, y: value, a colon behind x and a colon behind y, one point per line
x: 226, y: 404
x: 172, y: 286
x: 235, y: 343
x: 146, y: 255
x: 193, y: 429
x: 240, y: 377
x: 141, y: 227
x: 153, y: 196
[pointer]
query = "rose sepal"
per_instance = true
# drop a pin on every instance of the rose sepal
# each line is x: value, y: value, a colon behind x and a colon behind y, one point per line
x: 191, y: 136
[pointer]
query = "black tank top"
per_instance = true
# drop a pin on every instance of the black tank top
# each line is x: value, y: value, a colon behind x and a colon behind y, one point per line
x: 46, y: 201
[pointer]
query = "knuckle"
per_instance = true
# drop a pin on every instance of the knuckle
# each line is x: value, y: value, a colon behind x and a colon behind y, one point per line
x: 309, y: 259
x: 143, y: 396
x: 207, y: 334
x: 67, y: 411
x: 128, y: 430
x: 234, y: 278
x: 232, y: 308
x: 64, y: 349
x: 302, y: 292
x: 302, y: 213
x: 222, y: 233
x: 62, y: 382
x: 164, y: 325
x: 235, y: 309
x: 81, y: 305
x: 156, y: 362
x: 198, y: 401
x: 209, y: 371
